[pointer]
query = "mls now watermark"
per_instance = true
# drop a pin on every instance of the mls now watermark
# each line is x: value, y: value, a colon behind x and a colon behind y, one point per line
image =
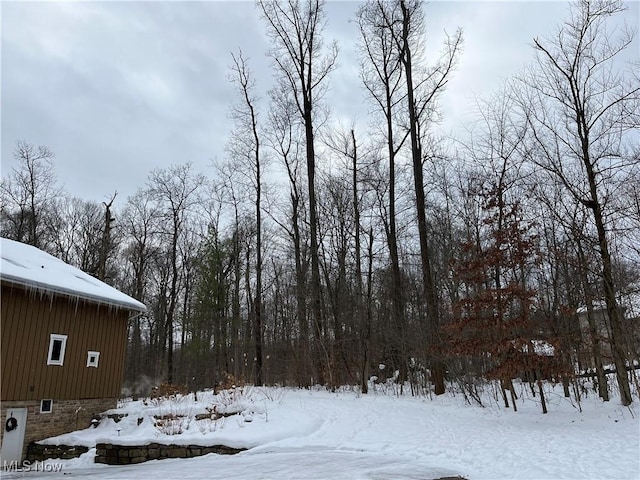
x: 28, y: 466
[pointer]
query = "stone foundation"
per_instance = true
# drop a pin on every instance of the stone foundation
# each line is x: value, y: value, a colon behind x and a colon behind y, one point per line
x: 66, y: 416
x: 128, y: 454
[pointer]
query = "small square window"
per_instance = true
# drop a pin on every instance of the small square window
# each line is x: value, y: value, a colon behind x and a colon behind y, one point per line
x: 92, y: 359
x: 57, y: 346
x: 46, y: 406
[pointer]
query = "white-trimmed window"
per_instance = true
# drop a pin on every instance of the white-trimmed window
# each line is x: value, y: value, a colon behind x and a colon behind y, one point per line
x: 46, y: 406
x: 57, y: 346
x: 92, y: 359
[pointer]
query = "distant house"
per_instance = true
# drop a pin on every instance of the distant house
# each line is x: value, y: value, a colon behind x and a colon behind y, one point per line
x: 595, y: 325
x: 64, y: 335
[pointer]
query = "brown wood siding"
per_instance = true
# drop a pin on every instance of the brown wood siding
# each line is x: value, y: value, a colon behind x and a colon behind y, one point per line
x: 29, y: 318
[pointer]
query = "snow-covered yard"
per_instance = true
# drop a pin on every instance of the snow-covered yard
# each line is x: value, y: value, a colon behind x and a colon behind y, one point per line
x: 315, y: 434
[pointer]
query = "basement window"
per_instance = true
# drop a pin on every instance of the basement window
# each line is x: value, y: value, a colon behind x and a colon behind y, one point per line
x: 46, y: 406
x: 57, y: 346
x: 92, y: 359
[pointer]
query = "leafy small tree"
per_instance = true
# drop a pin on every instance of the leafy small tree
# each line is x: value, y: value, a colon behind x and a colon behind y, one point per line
x: 494, y: 321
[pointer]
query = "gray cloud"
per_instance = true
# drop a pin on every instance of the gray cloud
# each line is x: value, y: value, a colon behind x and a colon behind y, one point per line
x: 118, y: 88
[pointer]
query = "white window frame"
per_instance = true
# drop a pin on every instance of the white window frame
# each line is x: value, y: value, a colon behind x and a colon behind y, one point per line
x: 52, y: 339
x: 50, y: 405
x: 96, y: 356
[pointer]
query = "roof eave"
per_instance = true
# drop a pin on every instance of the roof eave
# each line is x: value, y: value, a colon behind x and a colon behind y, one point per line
x: 44, y: 287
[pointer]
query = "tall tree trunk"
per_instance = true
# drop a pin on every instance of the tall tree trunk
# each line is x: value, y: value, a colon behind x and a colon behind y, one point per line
x: 618, y: 344
x: 303, y: 367
x: 106, y: 238
x: 316, y: 298
x: 603, y: 390
x: 430, y: 294
x: 360, y: 313
x: 172, y: 300
x: 397, y: 297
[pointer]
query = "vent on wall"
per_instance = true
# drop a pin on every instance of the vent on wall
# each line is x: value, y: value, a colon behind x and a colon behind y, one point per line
x: 92, y: 359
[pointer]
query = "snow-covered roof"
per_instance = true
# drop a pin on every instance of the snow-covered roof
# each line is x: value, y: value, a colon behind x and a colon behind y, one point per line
x: 29, y: 266
x: 629, y: 303
x: 597, y: 305
x: 543, y: 348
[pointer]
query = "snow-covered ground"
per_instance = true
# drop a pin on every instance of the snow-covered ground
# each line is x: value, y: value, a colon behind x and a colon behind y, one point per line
x: 315, y: 434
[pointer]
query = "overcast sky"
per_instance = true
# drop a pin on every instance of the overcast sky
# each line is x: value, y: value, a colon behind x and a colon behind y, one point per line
x: 118, y: 88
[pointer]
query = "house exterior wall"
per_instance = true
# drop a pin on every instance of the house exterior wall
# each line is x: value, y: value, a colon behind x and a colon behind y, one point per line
x: 66, y: 416
x: 630, y: 339
x: 601, y: 322
x: 28, y: 319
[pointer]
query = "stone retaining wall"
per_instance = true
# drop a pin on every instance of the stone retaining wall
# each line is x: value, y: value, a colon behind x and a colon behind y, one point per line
x: 39, y: 453
x: 127, y: 454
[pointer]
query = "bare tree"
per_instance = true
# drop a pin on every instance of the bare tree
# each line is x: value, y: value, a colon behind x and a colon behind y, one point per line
x: 106, y: 237
x: 295, y: 28
x: 140, y: 227
x: 28, y: 194
x: 73, y: 227
x: 578, y: 103
x: 382, y: 75
x: 176, y: 192
x: 344, y: 143
x: 423, y: 86
x: 234, y: 197
x: 246, y: 148
x: 284, y: 137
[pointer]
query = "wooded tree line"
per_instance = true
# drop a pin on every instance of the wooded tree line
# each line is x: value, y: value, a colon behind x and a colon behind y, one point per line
x: 317, y: 253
